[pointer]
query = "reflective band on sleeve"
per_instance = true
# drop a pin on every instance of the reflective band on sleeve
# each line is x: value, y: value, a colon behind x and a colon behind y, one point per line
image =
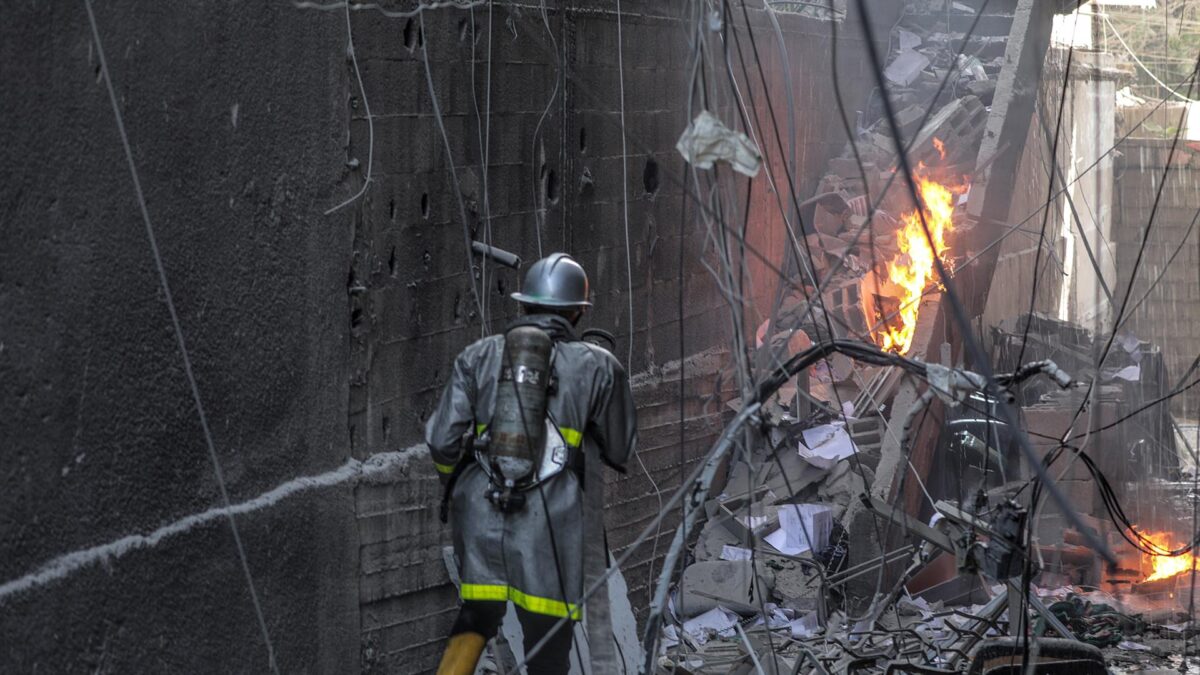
x: 444, y: 468
x: 479, y: 429
x: 530, y: 603
x: 572, y: 437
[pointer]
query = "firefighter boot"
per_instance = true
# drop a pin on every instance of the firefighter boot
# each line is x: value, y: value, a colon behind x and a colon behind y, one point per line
x: 462, y: 654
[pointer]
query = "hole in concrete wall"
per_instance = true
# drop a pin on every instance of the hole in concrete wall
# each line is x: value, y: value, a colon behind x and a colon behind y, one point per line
x: 551, y: 186
x: 425, y: 205
x: 392, y: 209
x: 392, y: 262
x: 414, y: 37
x: 96, y: 70
x: 457, y: 306
x: 410, y: 33
x: 427, y: 259
x: 464, y: 29
x: 582, y: 140
x: 356, y: 317
x: 650, y: 176
x: 386, y: 428
x: 501, y: 287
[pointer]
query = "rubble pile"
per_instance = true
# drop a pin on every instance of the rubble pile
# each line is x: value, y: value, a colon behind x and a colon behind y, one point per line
x: 766, y: 587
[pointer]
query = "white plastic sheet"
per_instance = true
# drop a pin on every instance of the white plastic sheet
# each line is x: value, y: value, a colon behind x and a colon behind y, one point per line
x: 707, y: 141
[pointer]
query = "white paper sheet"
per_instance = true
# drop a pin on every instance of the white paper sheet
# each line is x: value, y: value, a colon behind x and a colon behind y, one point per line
x: 735, y: 553
x: 826, y: 445
x: 717, y: 620
x: 801, y: 521
x: 805, y: 626
x: 778, y: 539
x: 1128, y: 373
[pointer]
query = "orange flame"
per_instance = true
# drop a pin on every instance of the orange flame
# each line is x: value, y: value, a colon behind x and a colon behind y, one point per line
x: 939, y: 146
x: 912, y: 268
x: 1165, y: 566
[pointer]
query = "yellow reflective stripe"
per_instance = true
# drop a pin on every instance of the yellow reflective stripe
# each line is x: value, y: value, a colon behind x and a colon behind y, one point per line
x: 531, y: 603
x: 444, y: 468
x: 479, y: 429
x: 572, y: 437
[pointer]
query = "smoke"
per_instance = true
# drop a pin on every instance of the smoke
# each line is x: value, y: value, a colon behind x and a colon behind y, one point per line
x: 381, y: 468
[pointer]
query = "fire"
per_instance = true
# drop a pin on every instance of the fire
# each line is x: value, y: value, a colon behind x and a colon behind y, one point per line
x: 1166, y: 566
x: 912, y: 269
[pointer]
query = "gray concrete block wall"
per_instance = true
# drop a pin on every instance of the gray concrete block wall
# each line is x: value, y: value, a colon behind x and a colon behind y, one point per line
x: 1165, y: 315
x: 99, y: 436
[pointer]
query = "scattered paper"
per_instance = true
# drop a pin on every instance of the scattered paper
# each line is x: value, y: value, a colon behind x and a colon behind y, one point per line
x: 716, y: 621
x: 826, y: 445
x: 670, y: 638
x: 735, y: 553
x: 707, y: 141
x: 805, y: 626
x: 1130, y: 646
x: 778, y: 539
x: 753, y: 522
x: 1128, y: 373
x: 800, y: 522
x: 777, y: 618
x: 1128, y: 342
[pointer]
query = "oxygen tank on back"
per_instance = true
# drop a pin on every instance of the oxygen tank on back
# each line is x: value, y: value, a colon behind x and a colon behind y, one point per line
x: 518, y: 428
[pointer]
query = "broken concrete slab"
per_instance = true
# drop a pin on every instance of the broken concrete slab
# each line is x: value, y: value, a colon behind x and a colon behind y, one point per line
x: 738, y: 585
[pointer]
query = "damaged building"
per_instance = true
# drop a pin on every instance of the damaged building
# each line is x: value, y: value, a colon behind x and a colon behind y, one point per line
x: 905, y: 295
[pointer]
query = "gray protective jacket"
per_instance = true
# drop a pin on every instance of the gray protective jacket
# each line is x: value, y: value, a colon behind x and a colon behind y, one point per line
x: 535, y: 556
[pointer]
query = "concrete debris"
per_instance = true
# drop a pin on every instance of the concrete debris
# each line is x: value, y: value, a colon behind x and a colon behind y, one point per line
x: 738, y: 585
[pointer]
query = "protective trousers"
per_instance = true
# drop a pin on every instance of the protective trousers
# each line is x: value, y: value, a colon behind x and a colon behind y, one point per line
x: 485, y: 616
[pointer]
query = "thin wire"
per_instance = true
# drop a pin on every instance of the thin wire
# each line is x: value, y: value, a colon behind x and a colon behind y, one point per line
x: 370, y: 120
x: 1138, y: 260
x: 483, y: 131
x: 390, y: 13
x: 462, y: 209
x: 1175, y: 253
x: 539, y: 195
x: 1037, y: 256
x: 625, y: 185
x: 973, y: 349
x: 629, y: 265
x: 183, y: 350
x: 1154, y: 77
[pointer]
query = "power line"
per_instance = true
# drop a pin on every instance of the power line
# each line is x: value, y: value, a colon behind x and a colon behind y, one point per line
x: 183, y: 350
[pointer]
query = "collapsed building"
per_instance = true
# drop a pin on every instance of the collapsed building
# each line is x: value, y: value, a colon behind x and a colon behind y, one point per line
x: 798, y: 194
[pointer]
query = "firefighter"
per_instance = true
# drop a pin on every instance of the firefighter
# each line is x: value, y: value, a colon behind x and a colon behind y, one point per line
x: 522, y: 417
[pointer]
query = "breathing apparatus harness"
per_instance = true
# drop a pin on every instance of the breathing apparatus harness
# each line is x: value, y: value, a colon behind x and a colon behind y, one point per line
x: 523, y: 446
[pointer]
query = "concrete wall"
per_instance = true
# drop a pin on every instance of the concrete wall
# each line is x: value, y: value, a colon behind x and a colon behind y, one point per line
x: 99, y: 437
x: 1166, y: 294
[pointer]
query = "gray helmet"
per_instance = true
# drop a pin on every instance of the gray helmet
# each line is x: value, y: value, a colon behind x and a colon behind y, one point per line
x: 555, y: 281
